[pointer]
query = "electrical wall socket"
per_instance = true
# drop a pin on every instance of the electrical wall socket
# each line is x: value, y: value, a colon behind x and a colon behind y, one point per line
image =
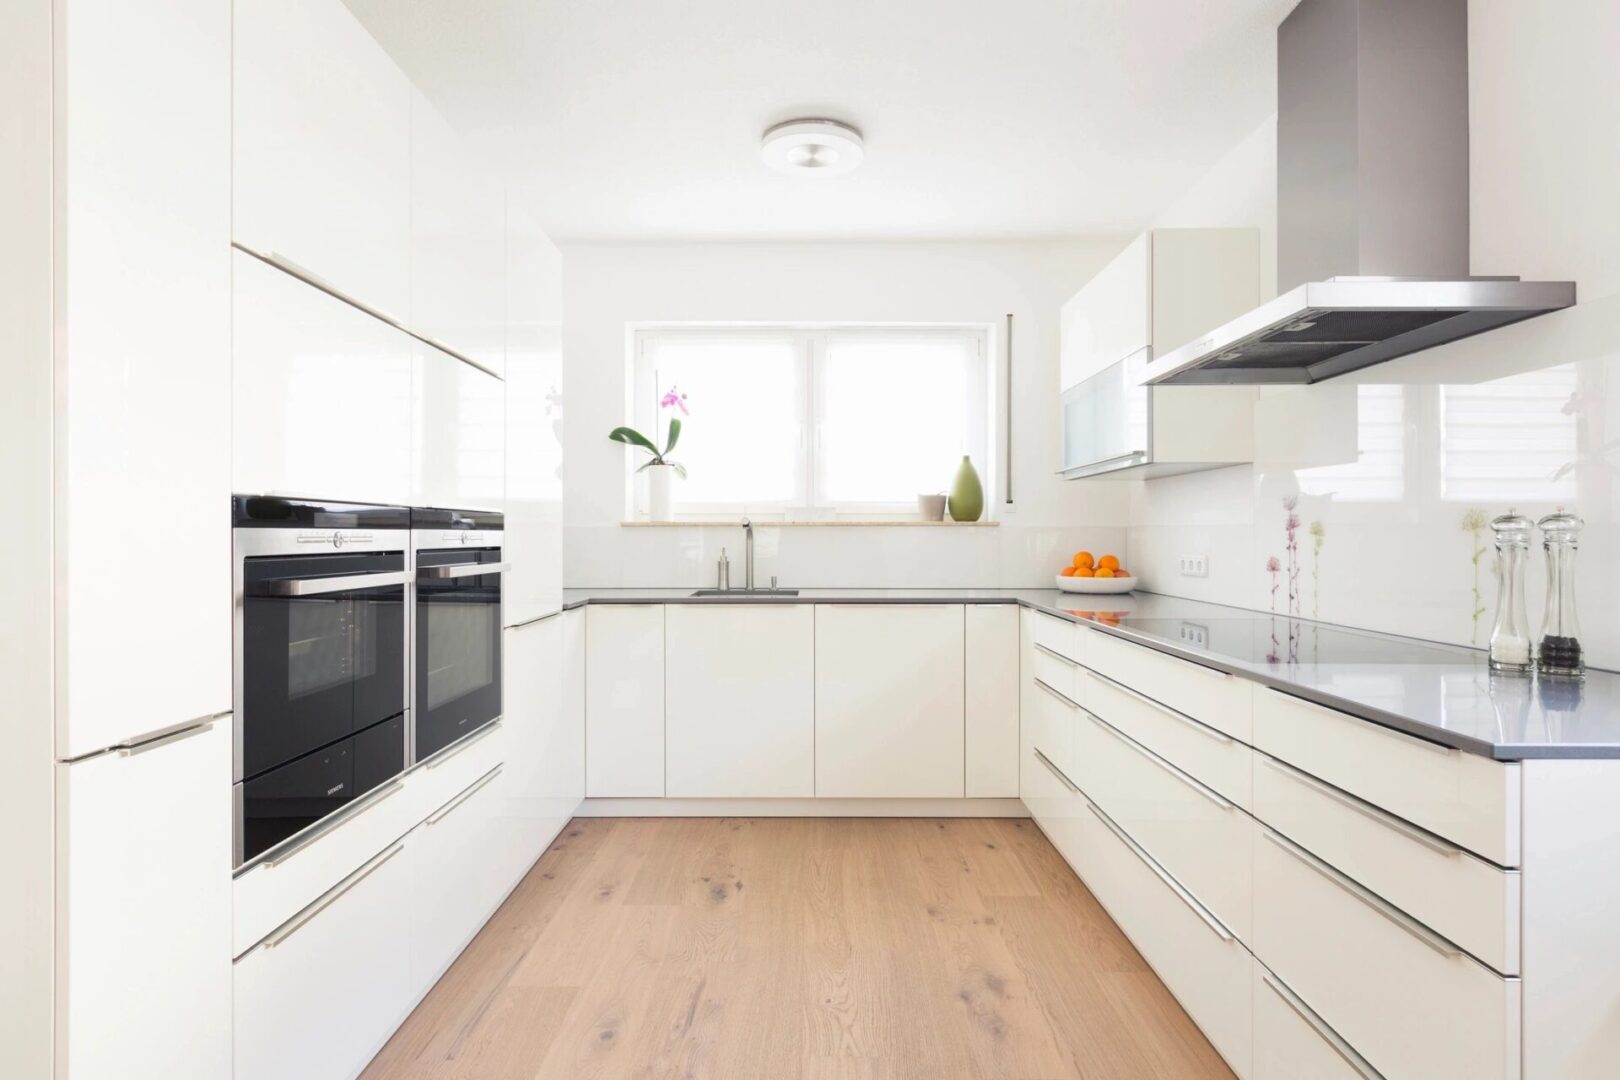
x: 1195, y: 566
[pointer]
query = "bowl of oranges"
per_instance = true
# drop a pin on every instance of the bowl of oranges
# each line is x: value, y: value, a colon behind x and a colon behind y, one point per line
x: 1087, y: 573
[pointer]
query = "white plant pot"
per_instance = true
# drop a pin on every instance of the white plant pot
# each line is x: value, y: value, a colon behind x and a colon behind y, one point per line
x: 658, y: 481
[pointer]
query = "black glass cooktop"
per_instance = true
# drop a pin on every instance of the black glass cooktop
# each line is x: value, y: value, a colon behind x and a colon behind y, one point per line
x: 1279, y: 640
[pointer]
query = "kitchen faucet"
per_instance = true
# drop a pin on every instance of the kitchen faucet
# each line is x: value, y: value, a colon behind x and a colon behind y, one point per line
x: 748, y: 553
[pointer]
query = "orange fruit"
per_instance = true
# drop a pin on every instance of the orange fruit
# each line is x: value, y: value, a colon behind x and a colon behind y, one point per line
x: 1067, y: 571
x: 1083, y: 558
x: 1108, y: 562
x: 1103, y: 571
x: 1082, y: 571
x: 1120, y: 571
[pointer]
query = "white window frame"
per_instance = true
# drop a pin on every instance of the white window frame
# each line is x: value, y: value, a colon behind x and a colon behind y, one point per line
x: 810, y: 342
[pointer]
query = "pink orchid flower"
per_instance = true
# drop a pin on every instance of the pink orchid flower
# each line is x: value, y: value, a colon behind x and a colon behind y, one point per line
x: 671, y: 398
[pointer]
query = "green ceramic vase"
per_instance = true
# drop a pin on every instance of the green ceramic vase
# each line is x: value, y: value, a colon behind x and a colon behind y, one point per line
x: 967, y: 494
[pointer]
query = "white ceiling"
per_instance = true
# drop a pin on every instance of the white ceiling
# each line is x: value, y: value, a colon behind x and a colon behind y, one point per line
x: 641, y: 119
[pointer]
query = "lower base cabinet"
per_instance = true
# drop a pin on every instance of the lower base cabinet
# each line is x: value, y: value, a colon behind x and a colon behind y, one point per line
x: 1291, y: 1042
x: 459, y: 879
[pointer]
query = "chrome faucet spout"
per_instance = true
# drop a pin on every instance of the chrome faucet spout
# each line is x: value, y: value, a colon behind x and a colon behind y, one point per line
x: 748, y: 553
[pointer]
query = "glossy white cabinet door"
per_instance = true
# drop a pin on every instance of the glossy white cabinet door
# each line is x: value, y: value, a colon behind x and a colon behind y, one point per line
x: 458, y: 443
x: 322, y: 393
x: 142, y: 313
x: 740, y: 701
x: 889, y: 701
x: 547, y: 755
x: 624, y: 700
x: 458, y: 242
x: 534, y: 419
x: 992, y: 701
x: 460, y: 878
x: 145, y: 911
x: 1110, y: 317
x: 322, y: 148
x: 321, y: 996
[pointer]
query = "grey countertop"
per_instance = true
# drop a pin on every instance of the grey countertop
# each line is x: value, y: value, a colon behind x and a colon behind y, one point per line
x: 1443, y: 693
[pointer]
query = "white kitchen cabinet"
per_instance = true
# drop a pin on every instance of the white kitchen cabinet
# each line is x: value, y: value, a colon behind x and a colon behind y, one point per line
x: 889, y: 701
x: 460, y: 876
x: 1111, y: 317
x: 319, y: 996
x: 322, y: 393
x: 534, y: 419
x: 322, y: 148
x: 1291, y: 1041
x: 740, y: 701
x: 458, y: 435
x: 546, y: 755
x: 624, y: 700
x: 144, y: 910
x: 991, y: 701
x: 458, y: 242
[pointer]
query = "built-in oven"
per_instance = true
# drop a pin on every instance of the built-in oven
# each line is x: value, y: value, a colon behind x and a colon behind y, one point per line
x: 457, y: 626
x: 321, y: 663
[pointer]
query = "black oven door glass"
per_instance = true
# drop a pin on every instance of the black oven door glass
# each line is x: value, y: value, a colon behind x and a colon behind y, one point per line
x: 317, y: 668
x: 458, y: 648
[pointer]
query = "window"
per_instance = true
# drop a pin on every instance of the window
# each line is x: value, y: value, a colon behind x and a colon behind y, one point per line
x: 1509, y: 439
x: 1378, y: 473
x: 816, y: 422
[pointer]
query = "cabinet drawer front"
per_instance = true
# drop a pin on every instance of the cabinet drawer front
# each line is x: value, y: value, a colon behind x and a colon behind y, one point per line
x: 1463, y: 897
x: 1052, y: 726
x: 1211, y: 755
x: 1291, y: 1041
x: 1059, y: 635
x: 1056, y: 670
x: 1208, y: 972
x: 1409, y: 1002
x: 1222, y: 701
x: 1199, y: 836
x: 1470, y: 800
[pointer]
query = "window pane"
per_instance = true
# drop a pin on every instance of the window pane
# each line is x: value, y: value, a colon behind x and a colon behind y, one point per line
x: 741, y: 442
x: 895, y: 415
x: 1509, y: 439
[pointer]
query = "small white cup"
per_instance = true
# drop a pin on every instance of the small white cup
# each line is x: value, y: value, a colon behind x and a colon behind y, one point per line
x: 931, y: 507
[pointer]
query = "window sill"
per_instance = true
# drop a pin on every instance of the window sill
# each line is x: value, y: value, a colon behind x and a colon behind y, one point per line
x: 764, y: 523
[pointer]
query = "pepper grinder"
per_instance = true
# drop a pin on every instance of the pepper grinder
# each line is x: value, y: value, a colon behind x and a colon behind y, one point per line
x: 1510, y: 636
x: 1560, y: 652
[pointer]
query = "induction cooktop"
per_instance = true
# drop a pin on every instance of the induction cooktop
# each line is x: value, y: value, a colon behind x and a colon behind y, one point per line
x: 1262, y: 639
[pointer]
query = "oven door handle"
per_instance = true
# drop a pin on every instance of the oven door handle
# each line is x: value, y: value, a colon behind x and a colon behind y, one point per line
x: 455, y: 570
x: 341, y: 583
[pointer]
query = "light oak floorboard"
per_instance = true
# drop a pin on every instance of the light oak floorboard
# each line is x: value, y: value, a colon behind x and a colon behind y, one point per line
x: 816, y: 948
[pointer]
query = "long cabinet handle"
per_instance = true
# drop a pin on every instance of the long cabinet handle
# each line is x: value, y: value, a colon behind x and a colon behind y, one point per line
x: 1367, y: 810
x: 340, y: 817
x: 318, y: 586
x: 1060, y: 695
x: 456, y: 748
x: 472, y: 789
x: 460, y: 570
x: 1318, y: 1025
x: 310, y: 277
x: 1055, y: 771
x: 1208, y: 918
x: 1197, y: 785
x: 1366, y: 896
x: 330, y: 897
x: 1054, y: 654
x: 169, y: 739
x: 1197, y: 725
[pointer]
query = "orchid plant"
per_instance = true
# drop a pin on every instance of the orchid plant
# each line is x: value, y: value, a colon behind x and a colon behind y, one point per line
x: 672, y: 399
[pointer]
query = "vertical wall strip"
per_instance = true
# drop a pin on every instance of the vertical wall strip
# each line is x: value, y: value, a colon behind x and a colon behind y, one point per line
x: 1007, y: 418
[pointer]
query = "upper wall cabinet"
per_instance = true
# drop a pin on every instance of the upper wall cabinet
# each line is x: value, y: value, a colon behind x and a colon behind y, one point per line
x: 458, y: 243
x: 142, y: 325
x: 534, y: 419
x: 458, y: 436
x: 322, y: 149
x: 322, y: 393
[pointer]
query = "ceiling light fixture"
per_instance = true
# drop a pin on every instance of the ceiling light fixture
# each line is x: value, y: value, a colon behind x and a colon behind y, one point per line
x: 812, y: 148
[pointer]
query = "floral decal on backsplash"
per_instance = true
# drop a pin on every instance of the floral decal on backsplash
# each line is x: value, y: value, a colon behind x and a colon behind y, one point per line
x: 1273, y: 567
x: 1289, y: 573
x: 1318, y: 536
x: 1474, y: 522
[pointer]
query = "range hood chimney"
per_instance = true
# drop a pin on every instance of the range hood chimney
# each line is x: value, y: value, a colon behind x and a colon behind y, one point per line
x: 1372, y: 203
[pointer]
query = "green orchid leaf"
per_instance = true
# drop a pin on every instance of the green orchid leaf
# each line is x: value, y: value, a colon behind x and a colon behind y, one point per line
x: 632, y: 437
x: 674, y: 433
x: 680, y: 470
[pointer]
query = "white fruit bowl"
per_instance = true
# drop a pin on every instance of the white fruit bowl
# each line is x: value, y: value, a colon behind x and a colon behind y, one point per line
x: 1099, y: 586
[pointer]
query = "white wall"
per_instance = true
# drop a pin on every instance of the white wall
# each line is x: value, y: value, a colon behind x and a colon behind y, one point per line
x: 1545, y: 170
x: 610, y: 286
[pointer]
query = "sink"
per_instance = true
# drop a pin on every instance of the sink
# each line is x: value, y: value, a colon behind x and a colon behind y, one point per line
x: 746, y: 592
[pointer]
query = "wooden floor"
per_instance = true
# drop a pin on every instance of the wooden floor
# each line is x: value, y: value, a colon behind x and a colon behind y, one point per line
x: 759, y: 949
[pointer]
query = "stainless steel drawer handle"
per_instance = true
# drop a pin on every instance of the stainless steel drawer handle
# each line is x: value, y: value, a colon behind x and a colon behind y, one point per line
x: 342, y: 583
x: 1055, y: 771
x: 1196, y: 785
x: 456, y: 748
x: 340, y: 817
x: 288, y: 266
x: 1318, y: 1025
x: 1054, y: 654
x: 302, y: 919
x: 1204, y: 914
x: 1382, y: 817
x: 155, y: 740
x: 1057, y: 694
x: 472, y: 789
x: 1373, y: 900
x: 1197, y: 725
x: 461, y: 570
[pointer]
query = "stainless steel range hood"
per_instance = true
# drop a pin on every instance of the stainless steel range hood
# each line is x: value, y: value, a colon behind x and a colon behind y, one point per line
x: 1372, y: 204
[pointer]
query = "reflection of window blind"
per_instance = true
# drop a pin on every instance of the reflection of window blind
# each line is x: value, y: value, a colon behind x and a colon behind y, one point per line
x: 1379, y: 472
x: 1506, y: 439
